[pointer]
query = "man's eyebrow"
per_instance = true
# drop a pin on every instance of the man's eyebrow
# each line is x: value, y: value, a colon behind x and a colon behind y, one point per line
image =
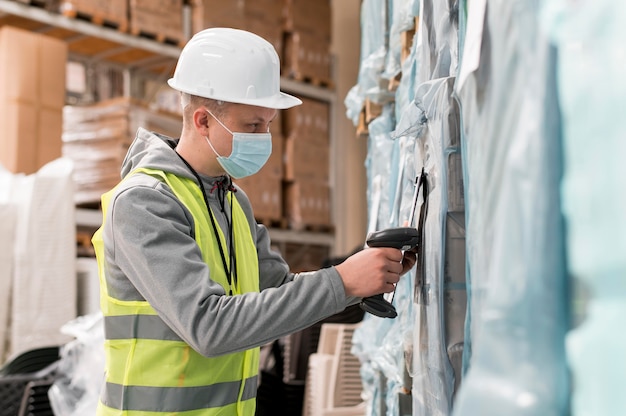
x: 256, y: 119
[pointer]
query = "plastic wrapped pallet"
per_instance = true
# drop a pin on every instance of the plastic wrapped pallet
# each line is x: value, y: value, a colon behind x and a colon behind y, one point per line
x: 8, y: 213
x: 43, y: 277
x: 592, y: 93
x: 518, y: 305
x: 373, y: 53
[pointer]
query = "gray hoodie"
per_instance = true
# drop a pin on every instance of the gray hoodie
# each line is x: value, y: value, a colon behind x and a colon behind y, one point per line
x: 151, y: 254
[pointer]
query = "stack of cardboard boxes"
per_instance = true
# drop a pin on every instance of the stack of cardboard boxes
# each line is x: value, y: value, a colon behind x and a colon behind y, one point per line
x: 160, y: 19
x: 263, y: 17
x: 307, y: 41
x: 307, y: 165
x: 96, y: 137
x: 32, y: 96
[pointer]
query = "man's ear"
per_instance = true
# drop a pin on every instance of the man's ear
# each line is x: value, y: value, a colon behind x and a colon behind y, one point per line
x: 201, y: 121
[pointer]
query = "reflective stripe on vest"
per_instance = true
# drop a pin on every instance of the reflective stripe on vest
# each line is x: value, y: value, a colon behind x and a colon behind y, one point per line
x: 149, y: 369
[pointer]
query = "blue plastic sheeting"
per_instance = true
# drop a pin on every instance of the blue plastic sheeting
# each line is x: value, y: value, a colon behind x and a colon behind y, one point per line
x: 382, y: 345
x: 440, y: 305
x: 438, y: 39
x: 428, y: 112
x: 427, y: 336
x: 518, y: 313
x: 373, y: 54
x: 590, y: 37
x: 401, y: 18
x: 378, y: 166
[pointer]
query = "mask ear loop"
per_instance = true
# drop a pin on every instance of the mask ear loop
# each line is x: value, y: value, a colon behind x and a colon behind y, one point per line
x: 219, y: 122
x: 212, y: 148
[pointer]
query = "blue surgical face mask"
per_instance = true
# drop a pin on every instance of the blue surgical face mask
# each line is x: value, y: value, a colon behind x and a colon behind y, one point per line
x: 250, y: 152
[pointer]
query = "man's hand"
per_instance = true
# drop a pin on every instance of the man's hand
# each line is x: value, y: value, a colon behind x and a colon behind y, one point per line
x: 374, y: 270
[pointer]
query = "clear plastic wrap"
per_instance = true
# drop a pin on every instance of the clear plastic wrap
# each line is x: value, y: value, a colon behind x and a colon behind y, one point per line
x: 373, y: 53
x: 81, y: 368
x: 518, y: 313
x: 438, y: 40
x: 589, y: 36
x: 376, y: 342
x: 401, y: 19
x: 433, y: 375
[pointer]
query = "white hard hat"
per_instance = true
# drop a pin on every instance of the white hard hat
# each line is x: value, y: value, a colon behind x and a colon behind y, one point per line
x: 231, y: 65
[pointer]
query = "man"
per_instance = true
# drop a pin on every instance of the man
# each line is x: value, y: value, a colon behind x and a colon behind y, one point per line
x: 189, y: 286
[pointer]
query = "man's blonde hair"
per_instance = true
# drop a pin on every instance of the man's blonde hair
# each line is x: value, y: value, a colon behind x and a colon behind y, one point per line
x: 191, y: 103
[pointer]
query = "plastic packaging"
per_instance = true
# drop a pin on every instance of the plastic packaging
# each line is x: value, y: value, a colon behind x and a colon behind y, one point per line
x: 518, y: 313
x: 81, y: 368
x: 589, y: 36
x: 438, y: 41
x: 373, y: 53
x: 376, y: 342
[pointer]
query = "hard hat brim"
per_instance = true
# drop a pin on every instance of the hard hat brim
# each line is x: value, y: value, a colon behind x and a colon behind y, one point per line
x: 279, y: 101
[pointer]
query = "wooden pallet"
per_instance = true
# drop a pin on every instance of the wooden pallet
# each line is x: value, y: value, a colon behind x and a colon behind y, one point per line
x: 99, y: 19
x: 158, y: 37
x: 406, y: 39
x: 307, y: 79
x: 52, y: 5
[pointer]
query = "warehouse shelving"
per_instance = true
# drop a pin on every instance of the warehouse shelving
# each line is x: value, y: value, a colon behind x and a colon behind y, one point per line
x: 89, y: 41
x: 93, y: 43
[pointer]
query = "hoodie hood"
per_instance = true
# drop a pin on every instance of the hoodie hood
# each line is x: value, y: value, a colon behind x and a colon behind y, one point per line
x: 155, y: 151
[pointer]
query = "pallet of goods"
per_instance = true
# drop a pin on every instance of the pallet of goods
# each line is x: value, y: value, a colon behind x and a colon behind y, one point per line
x: 263, y: 17
x: 307, y: 36
x: 161, y: 20
x: 96, y: 137
x: 112, y: 13
x: 307, y: 166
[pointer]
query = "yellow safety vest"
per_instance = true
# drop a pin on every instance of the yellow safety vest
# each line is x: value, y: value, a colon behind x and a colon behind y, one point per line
x: 149, y: 369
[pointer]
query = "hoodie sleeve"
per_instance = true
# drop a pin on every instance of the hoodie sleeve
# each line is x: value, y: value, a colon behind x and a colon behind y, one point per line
x: 152, y: 255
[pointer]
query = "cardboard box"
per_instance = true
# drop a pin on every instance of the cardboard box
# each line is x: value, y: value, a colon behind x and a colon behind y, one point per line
x: 307, y: 128
x: 265, y: 194
x: 32, y: 95
x: 216, y: 13
x: 307, y: 204
x: 311, y: 119
x: 307, y: 58
x: 307, y: 159
x: 263, y: 17
x: 161, y: 19
x: 310, y: 17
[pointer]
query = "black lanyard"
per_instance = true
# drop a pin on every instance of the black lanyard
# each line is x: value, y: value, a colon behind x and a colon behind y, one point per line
x: 231, y: 272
